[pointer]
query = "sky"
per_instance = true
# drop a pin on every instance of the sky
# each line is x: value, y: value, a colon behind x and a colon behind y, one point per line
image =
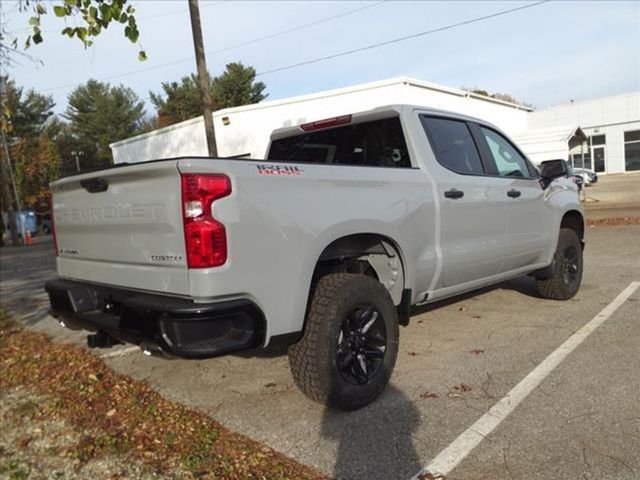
x: 544, y: 55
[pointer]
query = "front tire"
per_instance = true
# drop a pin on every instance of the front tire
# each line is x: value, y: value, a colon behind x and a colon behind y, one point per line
x: 350, y: 343
x: 566, y: 275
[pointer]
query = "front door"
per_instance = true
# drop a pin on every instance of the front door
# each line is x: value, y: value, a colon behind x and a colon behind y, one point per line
x: 529, y: 219
x: 473, y: 220
x: 598, y: 159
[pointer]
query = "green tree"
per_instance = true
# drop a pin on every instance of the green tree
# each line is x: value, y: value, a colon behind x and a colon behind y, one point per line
x: 93, y: 17
x: 180, y: 101
x: 25, y: 115
x: 60, y: 133
x: 237, y: 86
x: 37, y: 163
x: 100, y: 114
x: 25, y: 121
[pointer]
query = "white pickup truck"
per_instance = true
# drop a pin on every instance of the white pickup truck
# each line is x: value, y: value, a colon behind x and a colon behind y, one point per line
x: 325, y: 245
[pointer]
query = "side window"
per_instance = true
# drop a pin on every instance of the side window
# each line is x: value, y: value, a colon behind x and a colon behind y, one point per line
x: 509, y: 162
x: 453, y: 145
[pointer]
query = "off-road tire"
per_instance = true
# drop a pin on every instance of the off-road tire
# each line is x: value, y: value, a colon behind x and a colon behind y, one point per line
x: 557, y: 286
x: 313, y: 359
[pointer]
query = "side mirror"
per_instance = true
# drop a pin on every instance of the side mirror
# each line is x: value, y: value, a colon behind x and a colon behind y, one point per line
x: 552, y: 169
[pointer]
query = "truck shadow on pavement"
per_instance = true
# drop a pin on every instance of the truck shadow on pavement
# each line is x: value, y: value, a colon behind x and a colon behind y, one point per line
x: 375, y: 442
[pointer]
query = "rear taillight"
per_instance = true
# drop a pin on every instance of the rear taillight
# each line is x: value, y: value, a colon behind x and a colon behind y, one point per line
x: 53, y: 225
x: 205, y: 238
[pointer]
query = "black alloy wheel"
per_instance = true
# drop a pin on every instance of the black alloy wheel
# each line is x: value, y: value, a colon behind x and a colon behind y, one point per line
x: 565, y: 272
x: 570, y: 265
x: 361, y: 345
x: 350, y: 343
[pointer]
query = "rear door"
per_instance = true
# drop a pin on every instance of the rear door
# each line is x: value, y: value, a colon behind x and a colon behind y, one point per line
x: 123, y: 226
x: 529, y: 219
x: 473, y: 205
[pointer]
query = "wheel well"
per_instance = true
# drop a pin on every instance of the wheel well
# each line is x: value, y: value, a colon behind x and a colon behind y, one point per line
x: 573, y: 220
x: 366, y: 254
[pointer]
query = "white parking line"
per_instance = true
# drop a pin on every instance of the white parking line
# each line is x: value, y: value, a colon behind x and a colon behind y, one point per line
x: 121, y: 353
x: 458, y: 450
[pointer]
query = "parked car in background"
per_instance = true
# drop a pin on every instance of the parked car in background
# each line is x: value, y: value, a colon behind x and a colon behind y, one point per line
x: 589, y: 177
x: 570, y: 174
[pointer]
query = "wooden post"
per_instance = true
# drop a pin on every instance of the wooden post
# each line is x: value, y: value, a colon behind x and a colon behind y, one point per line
x: 203, y: 77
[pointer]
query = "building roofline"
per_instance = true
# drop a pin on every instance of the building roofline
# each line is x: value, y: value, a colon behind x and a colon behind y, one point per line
x: 403, y: 80
x: 587, y: 100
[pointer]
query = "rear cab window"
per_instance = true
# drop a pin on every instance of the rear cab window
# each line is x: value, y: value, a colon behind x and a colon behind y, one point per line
x: 453, y: 145
x: 378, y: 143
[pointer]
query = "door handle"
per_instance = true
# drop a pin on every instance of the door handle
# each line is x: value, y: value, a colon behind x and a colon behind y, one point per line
x: 514, y: 193
x: 453, y: 193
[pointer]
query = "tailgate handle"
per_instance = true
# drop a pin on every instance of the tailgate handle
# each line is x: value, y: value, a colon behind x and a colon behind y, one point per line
x: 95, y: 185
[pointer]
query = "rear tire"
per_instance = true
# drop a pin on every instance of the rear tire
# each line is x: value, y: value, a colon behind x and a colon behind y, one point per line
x: 350, y: 343
x: 567, y: 265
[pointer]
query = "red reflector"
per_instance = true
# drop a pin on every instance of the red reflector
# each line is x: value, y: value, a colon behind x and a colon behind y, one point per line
x: 53, y: 225
x: 326, y: 123
x: 205, y: 238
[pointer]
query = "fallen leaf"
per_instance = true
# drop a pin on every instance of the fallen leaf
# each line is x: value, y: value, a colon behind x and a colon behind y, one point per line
x: 428, y: 394
x: 431, y: 476
x: 111, y: 412
x: 24, y: 442
x: 461, y: 387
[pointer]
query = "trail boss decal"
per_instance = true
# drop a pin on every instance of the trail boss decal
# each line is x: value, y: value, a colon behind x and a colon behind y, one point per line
x: 286, y: 170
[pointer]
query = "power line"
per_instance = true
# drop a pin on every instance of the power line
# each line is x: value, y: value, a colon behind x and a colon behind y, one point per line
x: 230, y: 47
x: 400, y: 39
x: 299, y: 27
x: 335, y: 55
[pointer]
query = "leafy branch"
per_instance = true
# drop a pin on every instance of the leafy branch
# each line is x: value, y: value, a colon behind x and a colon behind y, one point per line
x: 96, y: 15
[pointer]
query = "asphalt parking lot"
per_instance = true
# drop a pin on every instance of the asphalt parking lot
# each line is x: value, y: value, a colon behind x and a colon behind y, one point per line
x: 613, y: 196
x: 457, y: 359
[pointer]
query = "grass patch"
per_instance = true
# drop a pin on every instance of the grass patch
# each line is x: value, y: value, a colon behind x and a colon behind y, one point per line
x: 132, y: 419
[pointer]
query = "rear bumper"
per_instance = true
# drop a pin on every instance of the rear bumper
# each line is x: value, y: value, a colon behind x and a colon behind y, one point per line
x: 170, y: 325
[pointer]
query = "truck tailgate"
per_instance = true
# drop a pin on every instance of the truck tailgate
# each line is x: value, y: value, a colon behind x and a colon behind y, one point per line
x: 122, y: 226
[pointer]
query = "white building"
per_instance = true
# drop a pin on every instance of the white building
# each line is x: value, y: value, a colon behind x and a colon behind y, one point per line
x: 245, y: 131
x: 612, y: 125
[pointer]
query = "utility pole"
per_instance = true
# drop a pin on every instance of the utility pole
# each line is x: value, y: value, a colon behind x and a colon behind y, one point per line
x: 5, y: 174
x: 203, y: 77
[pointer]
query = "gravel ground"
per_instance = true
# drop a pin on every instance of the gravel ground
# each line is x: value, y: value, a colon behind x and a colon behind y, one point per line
x: 34, y: 446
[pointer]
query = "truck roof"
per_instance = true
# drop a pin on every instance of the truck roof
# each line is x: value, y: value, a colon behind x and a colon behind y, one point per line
x: 381, y: 112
